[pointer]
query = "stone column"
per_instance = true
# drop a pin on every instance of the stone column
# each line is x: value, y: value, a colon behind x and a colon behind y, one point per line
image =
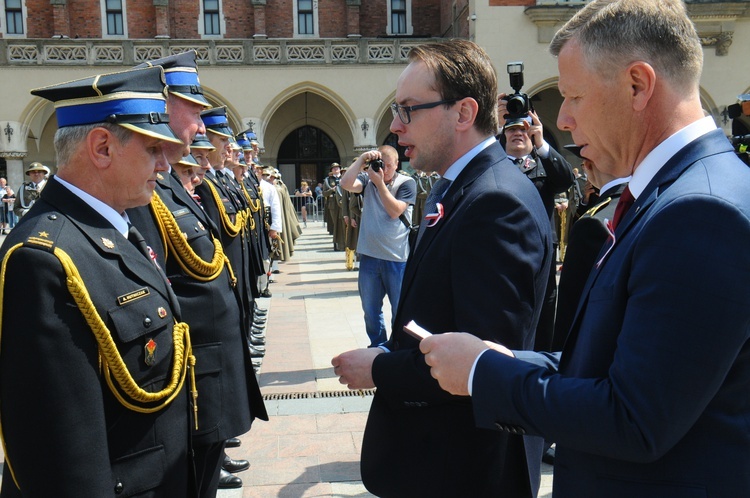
x: 352, y: 18
x: 13, y: 150
x: 60, y: 17
x: 259, y: 7
x: 161, y: 7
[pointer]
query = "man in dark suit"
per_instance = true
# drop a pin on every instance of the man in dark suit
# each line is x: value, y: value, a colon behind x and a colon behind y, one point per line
x: 419, y: 441
x: 587, y: 237
x: 649, y: 397
x: 94, y: 363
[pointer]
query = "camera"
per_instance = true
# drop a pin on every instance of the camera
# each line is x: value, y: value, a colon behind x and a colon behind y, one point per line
x: 376, y: 164
x: 741, y: 145
x: 519, y: 104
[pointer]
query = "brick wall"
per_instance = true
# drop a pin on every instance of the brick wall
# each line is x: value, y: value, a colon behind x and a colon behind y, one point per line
x: 39, y: 19
x: 141, y: 19
x: 184, y: 18
x: 82, y: 18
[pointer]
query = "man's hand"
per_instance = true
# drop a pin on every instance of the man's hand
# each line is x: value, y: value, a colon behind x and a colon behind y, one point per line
x: 272, y: 234
x: 502, y: 109
x: 377, y: 177
x: 354, y: 368
x: 450, y: 357
x: 535, y: 130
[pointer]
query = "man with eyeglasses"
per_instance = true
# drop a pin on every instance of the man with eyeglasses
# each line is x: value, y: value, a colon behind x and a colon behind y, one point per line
x: 420, y: 441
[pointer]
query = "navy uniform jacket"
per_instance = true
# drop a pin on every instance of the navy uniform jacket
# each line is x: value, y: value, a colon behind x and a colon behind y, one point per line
x: 55, y: 403
x: 229, y: 396
x: 586, y: 239
x: 652, y: 400
x: 419, y: 440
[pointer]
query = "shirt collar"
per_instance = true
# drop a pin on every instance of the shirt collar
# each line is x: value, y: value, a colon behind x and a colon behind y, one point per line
x: 118, y: 221
x: 614, y: 183
x: 457, y: 167
x: 663, y: 152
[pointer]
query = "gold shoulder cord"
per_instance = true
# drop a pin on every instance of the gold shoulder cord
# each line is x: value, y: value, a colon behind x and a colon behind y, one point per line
x: 232, y: 229
x: 189, y: 261
x: 254, y: 206
x: 110, y: 360
x: 249, y: 210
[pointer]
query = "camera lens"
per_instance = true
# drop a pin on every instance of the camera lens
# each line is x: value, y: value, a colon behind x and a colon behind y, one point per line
x: 376, y: 164
x: 517, y: 105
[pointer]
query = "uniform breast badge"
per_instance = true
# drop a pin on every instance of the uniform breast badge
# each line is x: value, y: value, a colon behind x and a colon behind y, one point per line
x: 108, y: 243
x: 150, y: 349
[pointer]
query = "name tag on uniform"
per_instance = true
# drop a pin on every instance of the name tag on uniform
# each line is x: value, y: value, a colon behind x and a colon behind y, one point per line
x: 125, y: 299
x: 180, y: 212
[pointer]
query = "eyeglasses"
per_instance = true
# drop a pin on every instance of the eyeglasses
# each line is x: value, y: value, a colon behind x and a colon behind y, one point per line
x: 404, y: 111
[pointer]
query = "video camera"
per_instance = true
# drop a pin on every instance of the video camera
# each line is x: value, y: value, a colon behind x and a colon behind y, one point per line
x: 519, y: 103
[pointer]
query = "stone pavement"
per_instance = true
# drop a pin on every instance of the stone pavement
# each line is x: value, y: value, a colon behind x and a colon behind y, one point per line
x: 311, y: 445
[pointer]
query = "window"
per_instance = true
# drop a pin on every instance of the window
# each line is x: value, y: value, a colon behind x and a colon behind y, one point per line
x: 13, y: 17
x: 398, y: 17
x: 211, y: 17
x: 114, y: 17
x: 305, y: 25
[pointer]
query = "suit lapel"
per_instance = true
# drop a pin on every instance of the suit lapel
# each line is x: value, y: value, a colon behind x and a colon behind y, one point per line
x: 451, y: 200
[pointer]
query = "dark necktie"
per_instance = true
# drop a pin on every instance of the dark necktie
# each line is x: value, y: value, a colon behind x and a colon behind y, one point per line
x: 430, y: 205
x: 135, y: 238
x: 626, y: 200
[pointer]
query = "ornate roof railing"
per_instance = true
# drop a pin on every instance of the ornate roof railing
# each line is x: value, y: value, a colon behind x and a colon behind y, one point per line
x: 211, y: 52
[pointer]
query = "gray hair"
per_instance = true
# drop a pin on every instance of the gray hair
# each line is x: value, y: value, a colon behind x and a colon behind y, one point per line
x: 615, y: 33
x: 68, y: 138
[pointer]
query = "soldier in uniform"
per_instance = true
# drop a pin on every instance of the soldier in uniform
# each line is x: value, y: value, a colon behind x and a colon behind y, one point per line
x: 29, y: 191
x: 95, y: 367
x: 188, y: 248
x: 587, y: 236
x: 228, y: 209
x: 352, y: 213
x: 329, y: 189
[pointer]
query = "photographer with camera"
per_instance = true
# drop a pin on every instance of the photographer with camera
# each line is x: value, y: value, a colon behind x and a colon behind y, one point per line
x: 548, y: 170
x: 383, y: 243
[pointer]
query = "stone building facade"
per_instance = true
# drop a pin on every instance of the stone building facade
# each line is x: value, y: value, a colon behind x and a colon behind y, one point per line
x: 313, y: 78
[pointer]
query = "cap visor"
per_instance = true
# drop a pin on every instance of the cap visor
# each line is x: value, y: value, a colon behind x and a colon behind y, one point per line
x: 197, y: 98
x: 221, y: 130
x: 161, y: 131
x: 575, y: 149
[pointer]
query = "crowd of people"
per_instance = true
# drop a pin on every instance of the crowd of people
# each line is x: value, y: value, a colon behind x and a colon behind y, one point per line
x: 147, y: 250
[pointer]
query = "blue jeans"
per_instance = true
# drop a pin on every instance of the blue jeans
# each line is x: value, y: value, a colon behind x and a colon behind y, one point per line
x: 378, y: 278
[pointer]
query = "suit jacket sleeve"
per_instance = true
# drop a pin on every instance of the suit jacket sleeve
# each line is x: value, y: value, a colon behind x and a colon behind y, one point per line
x: 681, y: 348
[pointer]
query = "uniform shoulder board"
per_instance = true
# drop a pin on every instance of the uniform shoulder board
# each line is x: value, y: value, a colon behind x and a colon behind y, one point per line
x: 45, y: 231
x: 598, y: 207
